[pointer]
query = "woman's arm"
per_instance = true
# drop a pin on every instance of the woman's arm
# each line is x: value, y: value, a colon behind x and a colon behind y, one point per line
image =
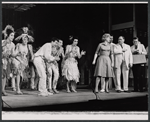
x: 15, y: 51
x: 112, y: 55
x: 96, y: 54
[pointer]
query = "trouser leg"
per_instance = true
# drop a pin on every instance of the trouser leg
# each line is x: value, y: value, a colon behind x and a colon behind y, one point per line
x: 125, y: 72
x: 41, y: 69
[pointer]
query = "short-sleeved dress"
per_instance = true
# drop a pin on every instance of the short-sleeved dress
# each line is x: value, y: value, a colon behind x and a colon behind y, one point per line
x: 103, y: 64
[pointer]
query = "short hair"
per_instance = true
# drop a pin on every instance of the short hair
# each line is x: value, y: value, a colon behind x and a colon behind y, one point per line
x: 135, y: 38
x: 8, y: 32
x: 106, y: 35
x: 122, y: 37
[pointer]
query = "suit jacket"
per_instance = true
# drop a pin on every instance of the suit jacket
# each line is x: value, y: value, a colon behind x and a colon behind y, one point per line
x: 119, y: 56
x: 141, y: 49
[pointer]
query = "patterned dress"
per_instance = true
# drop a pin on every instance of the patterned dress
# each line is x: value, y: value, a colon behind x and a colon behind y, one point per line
x: 70, y: 67
x: 7, y: 49
x: 20, y: 62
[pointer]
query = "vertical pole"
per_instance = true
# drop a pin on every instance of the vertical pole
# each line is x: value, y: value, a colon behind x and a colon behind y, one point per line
x: 109, y: 18
x: 109, y: 29
x: 134, y: 22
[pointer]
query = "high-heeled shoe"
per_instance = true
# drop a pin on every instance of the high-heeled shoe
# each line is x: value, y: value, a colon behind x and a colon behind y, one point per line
x: 19, y: 93
x: 73, y: 90
x: 68, y: 91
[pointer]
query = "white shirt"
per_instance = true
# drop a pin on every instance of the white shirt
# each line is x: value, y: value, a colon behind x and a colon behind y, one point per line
x: 45, y: 51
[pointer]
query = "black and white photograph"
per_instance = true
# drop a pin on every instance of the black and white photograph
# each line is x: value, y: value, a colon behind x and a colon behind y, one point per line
x: 74, y: 60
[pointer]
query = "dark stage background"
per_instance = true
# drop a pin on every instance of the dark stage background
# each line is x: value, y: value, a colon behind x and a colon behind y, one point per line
x: 86, y: 21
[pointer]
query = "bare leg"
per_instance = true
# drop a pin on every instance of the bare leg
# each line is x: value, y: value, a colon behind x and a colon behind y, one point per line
x: 68, y: 89
x: 13, y: 84
x: 102, y: 84
x: 3, y: 86
x: 73, y: 86
x: 97, y: 84
x: 106, y: 84
x: 18, y: 84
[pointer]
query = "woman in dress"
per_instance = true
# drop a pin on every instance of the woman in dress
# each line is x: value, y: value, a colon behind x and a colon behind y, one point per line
x: 70, y: 66
x: 20, y: 62
x: 103, y: 69
x: 7, y: 49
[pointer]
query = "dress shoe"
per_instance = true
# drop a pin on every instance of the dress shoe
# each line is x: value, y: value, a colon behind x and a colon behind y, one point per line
x: 121, y: 90
x: 107, y: 91
x: 118, y: 91
x: 95, y: 91
x: 135, y: 91
x: 127, y: 91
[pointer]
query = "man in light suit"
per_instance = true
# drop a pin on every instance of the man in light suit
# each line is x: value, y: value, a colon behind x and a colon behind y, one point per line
x: 123, y: 60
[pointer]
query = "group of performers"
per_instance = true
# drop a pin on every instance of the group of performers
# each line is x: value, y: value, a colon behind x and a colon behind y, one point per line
x: 113, y: 59
x: 110, y: 60
x: 16, y: 59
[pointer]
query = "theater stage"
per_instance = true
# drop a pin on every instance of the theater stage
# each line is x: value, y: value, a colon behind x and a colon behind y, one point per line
x: 83, y: 100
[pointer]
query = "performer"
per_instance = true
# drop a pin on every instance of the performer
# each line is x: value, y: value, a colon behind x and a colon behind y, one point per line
x: 123, y: 61
x: 70, y: 68
x: 20, y: 61
x: 30, y: 71
x: 41, y: 57
x: 112, y: 46
x: 7, y: 55
x: 52, y: 67
x: 138, y: 69
x: 104, y: 64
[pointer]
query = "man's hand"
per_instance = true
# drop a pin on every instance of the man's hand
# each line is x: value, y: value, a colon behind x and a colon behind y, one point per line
x: 124, y: 50
x: 83, y: 52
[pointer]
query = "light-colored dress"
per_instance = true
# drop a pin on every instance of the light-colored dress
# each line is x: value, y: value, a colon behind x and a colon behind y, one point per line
x: 70, y: 66
x: 7, y: 49
x: 20, y: 61
x: 103, y: 64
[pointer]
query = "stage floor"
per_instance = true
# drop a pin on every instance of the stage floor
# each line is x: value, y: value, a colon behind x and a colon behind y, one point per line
x: 83, y: 100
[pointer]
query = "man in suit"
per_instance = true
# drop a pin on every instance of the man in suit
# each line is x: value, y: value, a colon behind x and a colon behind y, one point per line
x: 112, y: 46
x: 123, y: 60
x: 138, y: 69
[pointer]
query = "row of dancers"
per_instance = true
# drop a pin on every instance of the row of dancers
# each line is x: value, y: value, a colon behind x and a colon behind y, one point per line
x: 15, y: 61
